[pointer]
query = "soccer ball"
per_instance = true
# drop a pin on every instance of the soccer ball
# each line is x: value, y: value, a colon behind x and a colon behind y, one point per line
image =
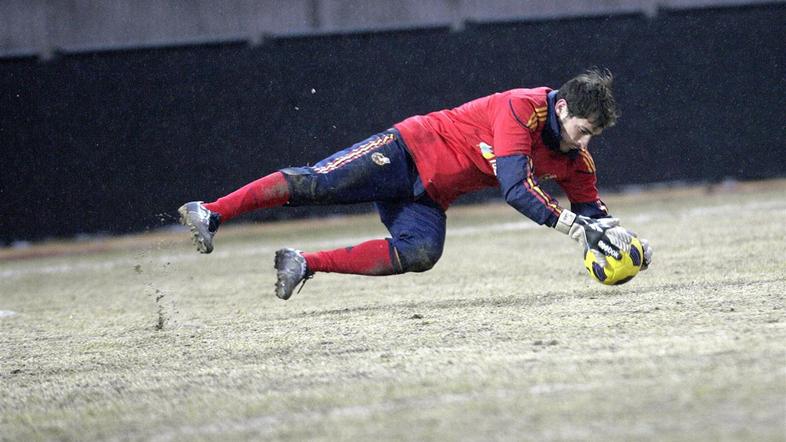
x: 611, y: 271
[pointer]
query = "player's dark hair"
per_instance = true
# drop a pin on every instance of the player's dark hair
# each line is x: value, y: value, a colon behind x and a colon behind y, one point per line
x: 589, y: 96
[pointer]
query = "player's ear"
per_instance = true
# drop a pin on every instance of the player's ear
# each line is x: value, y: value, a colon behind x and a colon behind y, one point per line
x: 561, y: 107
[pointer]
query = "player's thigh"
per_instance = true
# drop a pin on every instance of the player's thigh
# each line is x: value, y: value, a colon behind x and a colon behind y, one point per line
x: 376, y: 169
x: 417, y: 231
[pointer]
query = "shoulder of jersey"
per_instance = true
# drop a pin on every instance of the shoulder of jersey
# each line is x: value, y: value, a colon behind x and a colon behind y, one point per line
x: 584, y: 162
x: 529, y: 106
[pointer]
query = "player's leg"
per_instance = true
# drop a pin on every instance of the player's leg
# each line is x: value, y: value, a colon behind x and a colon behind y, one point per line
x: 266, y: 192
x: 204, y: 218
x: 418, y: 237
x: 375, y: 169
x: 417, y: 232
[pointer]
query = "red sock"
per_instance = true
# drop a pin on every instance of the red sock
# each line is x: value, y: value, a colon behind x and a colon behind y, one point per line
x: 269, y: 191
x: 368, y: 258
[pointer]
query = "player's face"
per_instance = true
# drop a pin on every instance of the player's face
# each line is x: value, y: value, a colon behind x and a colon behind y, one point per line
x: 576, y: 132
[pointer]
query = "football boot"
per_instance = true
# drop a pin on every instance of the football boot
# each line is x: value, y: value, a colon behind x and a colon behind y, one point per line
x: 291, y: 270
x: 202, y: 222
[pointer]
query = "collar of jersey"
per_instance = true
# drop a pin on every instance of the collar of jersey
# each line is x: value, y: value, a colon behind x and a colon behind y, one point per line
x: 552, y: 132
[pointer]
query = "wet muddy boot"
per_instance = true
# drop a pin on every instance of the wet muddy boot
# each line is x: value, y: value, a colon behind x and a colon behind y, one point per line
x: 291, y: 269
x: 202, y: 222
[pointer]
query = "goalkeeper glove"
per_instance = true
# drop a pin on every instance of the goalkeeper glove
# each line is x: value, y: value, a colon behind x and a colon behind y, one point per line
x: 595, y: 234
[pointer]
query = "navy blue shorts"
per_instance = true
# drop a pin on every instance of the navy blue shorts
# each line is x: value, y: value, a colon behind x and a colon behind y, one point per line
x: 380, y: 170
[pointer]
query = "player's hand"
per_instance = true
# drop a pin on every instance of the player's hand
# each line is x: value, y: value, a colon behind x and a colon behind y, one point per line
x: 645, y: 245
x: 608, y: 222
x: 596, y: 234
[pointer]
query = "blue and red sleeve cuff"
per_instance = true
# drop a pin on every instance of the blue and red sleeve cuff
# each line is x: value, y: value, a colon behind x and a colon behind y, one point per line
x: 594, y: 209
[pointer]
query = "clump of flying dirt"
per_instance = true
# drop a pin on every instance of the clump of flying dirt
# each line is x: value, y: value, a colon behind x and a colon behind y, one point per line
x: 152, y: 265
x: 165, y: 218
x: 165, y: 304
x: 161, y: 312
x: 165, y: 308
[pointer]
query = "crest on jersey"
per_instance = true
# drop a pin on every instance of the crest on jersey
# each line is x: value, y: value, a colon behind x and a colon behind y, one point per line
x: 488, y: 154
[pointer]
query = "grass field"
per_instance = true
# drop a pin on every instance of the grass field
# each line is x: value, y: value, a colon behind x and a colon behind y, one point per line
x: 507, y: 338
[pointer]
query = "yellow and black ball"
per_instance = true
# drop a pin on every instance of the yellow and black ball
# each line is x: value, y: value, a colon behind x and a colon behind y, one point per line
x: 611, y: 271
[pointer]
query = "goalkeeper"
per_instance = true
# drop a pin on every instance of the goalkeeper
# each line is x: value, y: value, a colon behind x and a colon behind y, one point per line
x: 415, y: 170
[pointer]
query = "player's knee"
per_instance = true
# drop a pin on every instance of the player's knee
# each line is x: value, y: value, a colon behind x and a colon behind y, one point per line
x: 419, y: 256
x: 303, y: 185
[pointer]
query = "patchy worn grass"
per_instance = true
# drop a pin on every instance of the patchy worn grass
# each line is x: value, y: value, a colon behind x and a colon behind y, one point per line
x: 507, y: 338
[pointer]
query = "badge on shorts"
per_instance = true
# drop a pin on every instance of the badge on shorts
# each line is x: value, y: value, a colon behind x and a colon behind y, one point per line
x: 379, y: 159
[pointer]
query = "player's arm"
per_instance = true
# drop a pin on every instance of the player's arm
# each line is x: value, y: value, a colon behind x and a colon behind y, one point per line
x: 515, y: 121
x: 521, y: 190
x: 581, y: 189
x: 592, y: 209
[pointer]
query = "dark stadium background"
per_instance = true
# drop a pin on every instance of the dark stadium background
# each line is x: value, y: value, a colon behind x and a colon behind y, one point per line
x: 114, y: 141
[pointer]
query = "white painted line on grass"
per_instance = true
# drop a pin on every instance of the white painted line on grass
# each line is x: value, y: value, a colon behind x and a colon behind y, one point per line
x: 27, y: 268
x: 244, y: 251
x: 6, y: 313
x: 500, y: 227
x: 774, y: 205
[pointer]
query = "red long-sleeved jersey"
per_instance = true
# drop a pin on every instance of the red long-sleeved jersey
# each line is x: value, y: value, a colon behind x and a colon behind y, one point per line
x: 499, y: 140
